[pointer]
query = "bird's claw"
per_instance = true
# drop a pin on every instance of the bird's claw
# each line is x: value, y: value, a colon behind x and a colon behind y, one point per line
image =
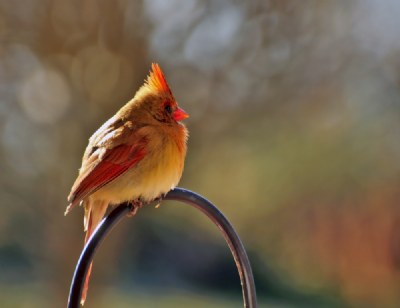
x: 135, y: 205
x: 159, y: 199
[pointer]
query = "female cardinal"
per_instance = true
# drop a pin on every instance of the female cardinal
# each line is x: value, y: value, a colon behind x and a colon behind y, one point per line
x: 136, y: 156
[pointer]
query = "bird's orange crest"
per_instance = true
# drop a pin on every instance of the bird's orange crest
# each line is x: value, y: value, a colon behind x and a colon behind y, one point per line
x: 156, y: 79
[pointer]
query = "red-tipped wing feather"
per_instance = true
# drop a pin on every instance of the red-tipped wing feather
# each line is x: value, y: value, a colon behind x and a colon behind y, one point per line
x: 115, y: 162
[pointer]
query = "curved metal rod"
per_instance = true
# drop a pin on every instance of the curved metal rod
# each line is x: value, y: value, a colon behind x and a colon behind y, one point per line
x: 177, y: 194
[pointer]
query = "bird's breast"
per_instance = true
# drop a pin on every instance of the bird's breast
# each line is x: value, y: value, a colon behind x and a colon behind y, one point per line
x: 157, y: 173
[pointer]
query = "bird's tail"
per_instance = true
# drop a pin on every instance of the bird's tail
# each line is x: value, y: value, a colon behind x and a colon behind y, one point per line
x: 94, y: 212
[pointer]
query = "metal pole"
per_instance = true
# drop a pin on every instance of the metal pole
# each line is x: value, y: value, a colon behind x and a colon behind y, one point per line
x: 190, y: 198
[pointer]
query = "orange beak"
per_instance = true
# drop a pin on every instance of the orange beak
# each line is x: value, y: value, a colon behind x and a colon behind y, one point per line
x: 180, y: 114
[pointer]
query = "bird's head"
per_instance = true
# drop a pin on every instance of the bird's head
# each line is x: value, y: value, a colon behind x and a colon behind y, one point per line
x: 156, y: 99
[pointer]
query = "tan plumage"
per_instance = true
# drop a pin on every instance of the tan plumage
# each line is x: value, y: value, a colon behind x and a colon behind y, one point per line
x: 137, y: 155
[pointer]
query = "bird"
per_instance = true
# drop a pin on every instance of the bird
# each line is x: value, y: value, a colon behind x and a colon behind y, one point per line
x: 136, y: 156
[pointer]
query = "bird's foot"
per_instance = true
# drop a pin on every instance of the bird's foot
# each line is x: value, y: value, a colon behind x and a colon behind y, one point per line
x: 135, y: 206
x: 158, y: 200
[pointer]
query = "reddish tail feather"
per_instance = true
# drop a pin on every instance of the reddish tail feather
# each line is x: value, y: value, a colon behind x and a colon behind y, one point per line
x: 94, y: 212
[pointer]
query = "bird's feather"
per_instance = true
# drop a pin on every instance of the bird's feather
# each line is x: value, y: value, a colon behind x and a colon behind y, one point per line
x: 104, y: 164
x: 156, y: 80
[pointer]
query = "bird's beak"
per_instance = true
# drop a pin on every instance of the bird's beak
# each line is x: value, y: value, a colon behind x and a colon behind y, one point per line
x: 180, y: 114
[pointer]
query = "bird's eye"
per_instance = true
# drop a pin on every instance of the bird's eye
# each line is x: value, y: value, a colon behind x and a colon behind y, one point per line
x: 168, y: 108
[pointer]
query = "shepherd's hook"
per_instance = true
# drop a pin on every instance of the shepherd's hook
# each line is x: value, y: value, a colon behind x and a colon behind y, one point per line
x: 190, y: 198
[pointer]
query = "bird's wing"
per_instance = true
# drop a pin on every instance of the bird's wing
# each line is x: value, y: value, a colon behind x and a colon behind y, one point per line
x: 113, y: 152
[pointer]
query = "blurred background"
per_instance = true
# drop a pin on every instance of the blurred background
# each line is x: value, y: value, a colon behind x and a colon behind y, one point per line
x: 294, y: 135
